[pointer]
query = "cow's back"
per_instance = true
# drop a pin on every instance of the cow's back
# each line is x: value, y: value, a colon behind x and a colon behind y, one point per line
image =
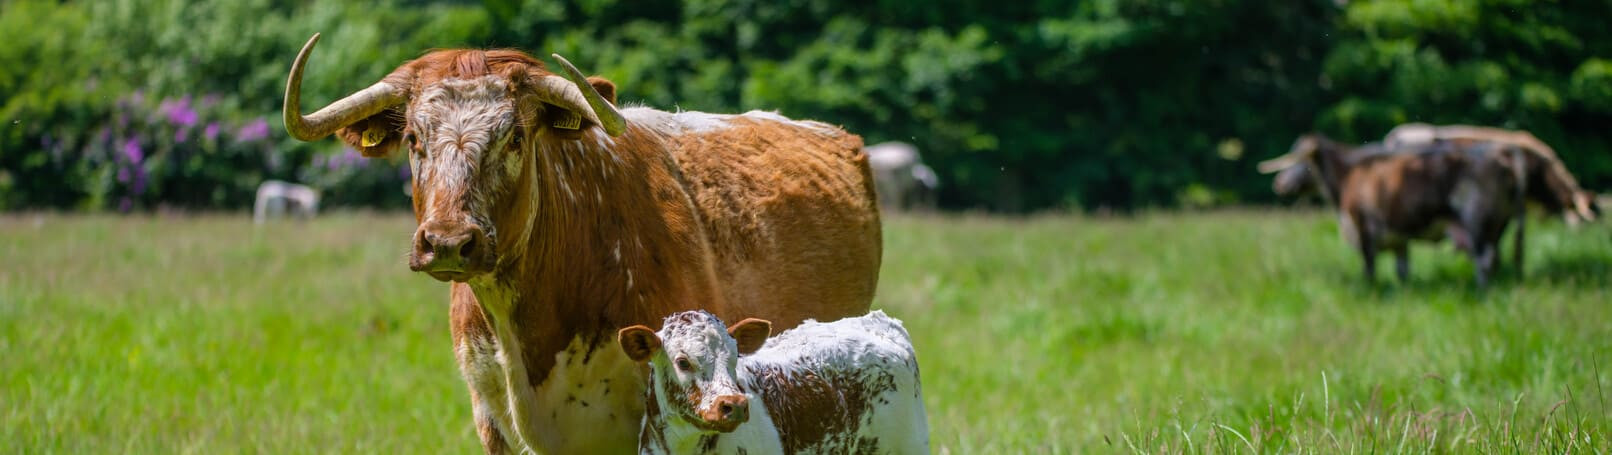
x: 789, y: 207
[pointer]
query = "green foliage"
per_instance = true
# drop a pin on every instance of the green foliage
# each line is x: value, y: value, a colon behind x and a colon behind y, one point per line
x: 1161, y: 333
x: 1018, y: 105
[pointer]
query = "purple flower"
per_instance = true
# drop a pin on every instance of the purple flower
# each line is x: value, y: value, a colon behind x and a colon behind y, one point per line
x: 211, y: 131
x: 132, y: 151
x: 123, y: 174
x: 179, y: 112
x: 350, y: 157
x: 255, y: 130
x: 125, y: 204
x: 179, y: 135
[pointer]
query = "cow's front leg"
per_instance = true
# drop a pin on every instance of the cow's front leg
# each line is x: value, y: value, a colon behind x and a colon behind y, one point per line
x: 492, y: 440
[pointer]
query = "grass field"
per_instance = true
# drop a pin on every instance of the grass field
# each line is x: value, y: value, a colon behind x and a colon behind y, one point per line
x: 1232, y: 331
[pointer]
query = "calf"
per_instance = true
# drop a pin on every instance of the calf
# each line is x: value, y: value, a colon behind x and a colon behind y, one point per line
x: 1466, y: 190
x: 849, y: 386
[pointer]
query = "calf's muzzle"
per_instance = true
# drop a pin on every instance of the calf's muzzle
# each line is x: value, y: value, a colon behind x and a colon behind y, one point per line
x: 726, y: 413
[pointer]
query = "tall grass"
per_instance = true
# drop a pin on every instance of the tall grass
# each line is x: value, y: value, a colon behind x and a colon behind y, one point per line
x: 1240, y: 331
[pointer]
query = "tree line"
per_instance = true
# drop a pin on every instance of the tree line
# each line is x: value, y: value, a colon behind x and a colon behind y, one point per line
x: 1018, y: 106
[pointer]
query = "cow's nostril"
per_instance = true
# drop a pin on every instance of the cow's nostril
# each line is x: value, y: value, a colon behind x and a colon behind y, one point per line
x: 468, y: 247
x: 726, y: 409
x: 424, y: 245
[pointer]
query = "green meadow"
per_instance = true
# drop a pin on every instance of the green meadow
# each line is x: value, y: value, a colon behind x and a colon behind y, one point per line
x: 1233, y: 331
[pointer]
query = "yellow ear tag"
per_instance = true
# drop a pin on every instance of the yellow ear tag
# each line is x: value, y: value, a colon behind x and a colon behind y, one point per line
x: 568, y: 120
x: 373, y: 137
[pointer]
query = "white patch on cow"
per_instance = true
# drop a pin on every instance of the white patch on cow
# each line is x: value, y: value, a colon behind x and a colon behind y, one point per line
x: 589, y: 389
x: 483, y: 370
x: 867, y: 350
x: 684, y: 122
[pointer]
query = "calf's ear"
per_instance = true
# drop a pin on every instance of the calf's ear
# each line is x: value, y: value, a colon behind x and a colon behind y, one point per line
x: 751, y: 334
x: 638, y: 342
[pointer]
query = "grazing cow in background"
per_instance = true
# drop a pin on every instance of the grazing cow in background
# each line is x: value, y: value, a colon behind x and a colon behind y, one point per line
x: 277, y: 198
x: 1549, y: 182
x: 848, y: 386
x: 1465, y: 190
x: 559, y: 219
x: 903, y: 181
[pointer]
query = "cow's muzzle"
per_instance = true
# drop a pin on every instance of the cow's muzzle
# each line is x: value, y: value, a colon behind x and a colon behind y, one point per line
x: 725, y: 414
x: 451, y: 251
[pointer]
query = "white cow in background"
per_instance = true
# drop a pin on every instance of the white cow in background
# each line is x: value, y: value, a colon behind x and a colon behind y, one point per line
x: 901, y: 178
x: 276, y: 198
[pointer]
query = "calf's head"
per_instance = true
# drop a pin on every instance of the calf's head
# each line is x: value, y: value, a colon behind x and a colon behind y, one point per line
x: 472, y: 123
x: 692, y: 362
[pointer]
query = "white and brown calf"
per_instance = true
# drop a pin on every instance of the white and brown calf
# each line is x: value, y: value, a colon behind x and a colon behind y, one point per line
x: 849, y: 386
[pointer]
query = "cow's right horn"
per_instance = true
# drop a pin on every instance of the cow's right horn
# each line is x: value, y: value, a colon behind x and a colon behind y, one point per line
x: 1279, y: 163
x: 1301, y: 152
x: 343, y: 112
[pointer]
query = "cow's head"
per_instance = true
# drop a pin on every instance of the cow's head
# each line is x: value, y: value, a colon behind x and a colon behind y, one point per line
x: 692, y: 366
x: 471, y: 122
x: 1295, y: 171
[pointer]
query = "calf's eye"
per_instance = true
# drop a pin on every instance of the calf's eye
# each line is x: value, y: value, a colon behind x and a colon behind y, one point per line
x: 684, y: 365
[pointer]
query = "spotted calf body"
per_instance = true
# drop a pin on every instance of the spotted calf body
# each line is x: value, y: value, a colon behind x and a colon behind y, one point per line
x: 849, y: 386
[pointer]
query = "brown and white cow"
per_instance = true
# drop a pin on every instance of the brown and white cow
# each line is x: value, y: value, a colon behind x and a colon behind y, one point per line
x: 848, y: 386
x: 1550, y: 183
x: 559, y: 220
x: 1464, y: 190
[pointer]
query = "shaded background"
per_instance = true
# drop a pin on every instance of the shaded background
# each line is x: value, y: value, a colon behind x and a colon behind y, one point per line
x: 1019, y: 106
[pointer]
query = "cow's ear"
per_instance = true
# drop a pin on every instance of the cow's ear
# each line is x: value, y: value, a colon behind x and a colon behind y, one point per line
x: 605, y: 88
x: 376, y: 136
x: 751, y: 334
x: 638, y: 342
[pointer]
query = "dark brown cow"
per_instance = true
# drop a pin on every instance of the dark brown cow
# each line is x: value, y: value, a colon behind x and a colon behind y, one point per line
x: 1461, y: 189
x: 559, y: 219
x: 1550, y: 184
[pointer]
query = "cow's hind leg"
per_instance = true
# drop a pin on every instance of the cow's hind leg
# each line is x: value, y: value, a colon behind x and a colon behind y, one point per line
x: 1402, y: 263
x: 1483, y: 260
x: 1368, y: 254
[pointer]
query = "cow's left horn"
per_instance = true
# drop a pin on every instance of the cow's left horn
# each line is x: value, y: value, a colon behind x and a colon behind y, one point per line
x: 343, y: 112
x: 609, y: 118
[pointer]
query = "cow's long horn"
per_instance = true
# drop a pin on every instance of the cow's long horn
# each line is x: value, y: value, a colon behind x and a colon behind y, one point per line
x: 605, y: 113
x: 1279, y: 163
x: 343, y: 112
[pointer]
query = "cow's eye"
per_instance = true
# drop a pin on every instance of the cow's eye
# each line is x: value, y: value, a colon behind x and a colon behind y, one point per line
x: 684, y: 365
x: 409, y: 140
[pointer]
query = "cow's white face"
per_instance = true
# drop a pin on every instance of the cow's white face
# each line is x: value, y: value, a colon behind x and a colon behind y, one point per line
x: 693, y: 363
x: 464, y: 141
